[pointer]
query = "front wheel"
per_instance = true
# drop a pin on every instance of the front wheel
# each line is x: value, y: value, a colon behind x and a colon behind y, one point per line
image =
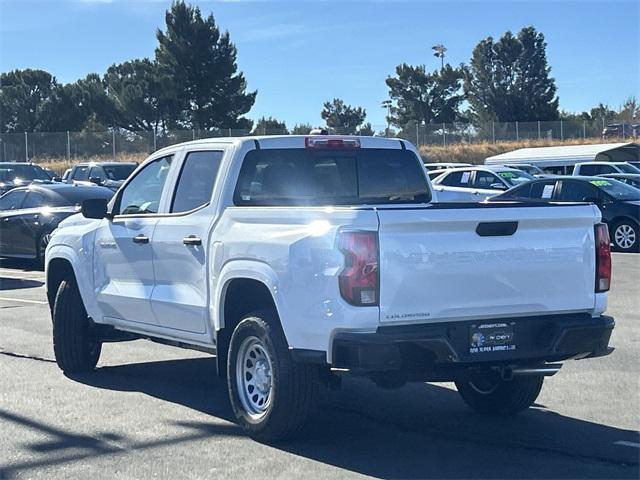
x: 485, y: 392
x: 271, y: 394
x: 625, y: 236
x: 75, y: 345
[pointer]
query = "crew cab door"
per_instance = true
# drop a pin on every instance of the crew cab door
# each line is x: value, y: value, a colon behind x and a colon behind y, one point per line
x: 123, y: 259
x: 181, y: 244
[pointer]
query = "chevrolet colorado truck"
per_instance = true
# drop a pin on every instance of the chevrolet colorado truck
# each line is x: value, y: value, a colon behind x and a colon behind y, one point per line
x: 296, y: 260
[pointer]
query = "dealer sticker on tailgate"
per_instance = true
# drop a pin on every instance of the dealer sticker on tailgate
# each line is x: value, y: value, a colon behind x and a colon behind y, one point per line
x: 491, y: 337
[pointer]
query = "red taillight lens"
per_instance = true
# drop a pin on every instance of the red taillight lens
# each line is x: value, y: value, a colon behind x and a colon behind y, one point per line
x: 359, y: 280
x: 603, y: 258
x: 331, y: 142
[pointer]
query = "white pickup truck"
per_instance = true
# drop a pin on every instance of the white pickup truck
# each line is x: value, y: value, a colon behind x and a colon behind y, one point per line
x: 296, y: 260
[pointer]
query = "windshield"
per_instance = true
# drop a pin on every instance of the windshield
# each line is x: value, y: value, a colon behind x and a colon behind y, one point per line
x: 616, y: 189
x: 515, y: 177
x: 626, y: 168
x: 21, y: 173
x: 118, y: 172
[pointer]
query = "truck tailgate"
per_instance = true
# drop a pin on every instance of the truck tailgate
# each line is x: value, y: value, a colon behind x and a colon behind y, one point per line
x: 435, y: 266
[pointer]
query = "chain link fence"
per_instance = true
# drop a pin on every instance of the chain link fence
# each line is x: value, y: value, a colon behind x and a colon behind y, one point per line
x: 121, y: 145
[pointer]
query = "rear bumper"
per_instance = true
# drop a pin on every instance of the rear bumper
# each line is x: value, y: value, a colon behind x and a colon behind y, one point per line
x: 445, y: 346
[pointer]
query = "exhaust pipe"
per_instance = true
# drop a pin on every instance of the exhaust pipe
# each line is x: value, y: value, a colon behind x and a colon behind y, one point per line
x: 546, y: 370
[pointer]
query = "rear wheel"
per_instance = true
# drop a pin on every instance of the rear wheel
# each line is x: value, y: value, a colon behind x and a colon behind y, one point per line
x: 75, y: 345
x: 486, y: 392
x: 270, y: 393
x: 625, y: 236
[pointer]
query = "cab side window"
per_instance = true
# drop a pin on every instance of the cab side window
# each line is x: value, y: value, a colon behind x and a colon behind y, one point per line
x: 98, y: 172
x: 33, y: 200
x: 141, y: 196
x: 456, y: 179
x: 12, y: 200
x: 81, y: 173
x: 196, y: 181
x: 488, y: 181
x: 578, y: 192
x: 542, y: 190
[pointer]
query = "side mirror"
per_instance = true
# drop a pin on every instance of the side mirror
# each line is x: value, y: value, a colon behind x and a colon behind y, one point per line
x: 57, y: 179
x: 95, y: 180
x: 94, y: 208
x: 497, y: 186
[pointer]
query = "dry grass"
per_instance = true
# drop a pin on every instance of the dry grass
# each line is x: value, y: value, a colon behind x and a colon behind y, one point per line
x: 476, y: 153
x: 60, y: 165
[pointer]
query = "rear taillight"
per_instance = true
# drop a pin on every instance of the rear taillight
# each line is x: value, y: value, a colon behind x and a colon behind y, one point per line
x: 331, y: 143
x: 603, y: 258
x: 359, y: 279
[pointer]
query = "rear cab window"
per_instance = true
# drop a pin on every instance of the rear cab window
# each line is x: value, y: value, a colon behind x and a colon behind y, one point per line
x: 277, y: 177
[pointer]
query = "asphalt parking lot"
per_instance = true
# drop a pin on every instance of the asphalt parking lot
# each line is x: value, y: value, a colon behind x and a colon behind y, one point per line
x: 154, y: 411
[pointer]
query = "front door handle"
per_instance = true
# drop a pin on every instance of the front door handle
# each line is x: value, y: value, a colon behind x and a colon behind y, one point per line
x: 192, y: 240
x: 141, y: 239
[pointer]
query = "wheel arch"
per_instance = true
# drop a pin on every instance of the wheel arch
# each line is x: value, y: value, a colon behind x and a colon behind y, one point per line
x: 57, y: 270
x: 61, y: 261
x: 244, y: 287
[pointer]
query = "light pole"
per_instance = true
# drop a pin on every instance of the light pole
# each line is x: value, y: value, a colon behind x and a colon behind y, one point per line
x: 387, y: 104
x: 439, y: 50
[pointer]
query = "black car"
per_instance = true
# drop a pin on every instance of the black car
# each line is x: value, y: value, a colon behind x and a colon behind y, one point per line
x: 107, y: 174
x: 14, y: 174
x: 28, y: 215
x: 628, y: 178
x: 618, y: 202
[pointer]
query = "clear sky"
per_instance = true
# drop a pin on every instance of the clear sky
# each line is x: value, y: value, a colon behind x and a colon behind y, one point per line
x: 299, y: 54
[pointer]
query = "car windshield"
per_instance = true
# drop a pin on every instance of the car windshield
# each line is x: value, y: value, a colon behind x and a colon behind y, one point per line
x: 515, y: 177
x: 22, y: 173
x: 118, y: 172
x: 626, y: 168
x: 616, y: 189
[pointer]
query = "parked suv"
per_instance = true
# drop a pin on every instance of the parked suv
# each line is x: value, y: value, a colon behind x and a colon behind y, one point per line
x: 106, y: 174
x: 598, y: 168
x: 299, y: 259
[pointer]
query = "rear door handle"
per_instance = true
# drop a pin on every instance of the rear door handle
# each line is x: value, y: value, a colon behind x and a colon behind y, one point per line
x: 140, y: 239
x: 192, y: 240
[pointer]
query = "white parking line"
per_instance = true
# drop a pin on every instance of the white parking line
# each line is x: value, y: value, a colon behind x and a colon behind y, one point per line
x: 37, y: 302
x: 624, y: 443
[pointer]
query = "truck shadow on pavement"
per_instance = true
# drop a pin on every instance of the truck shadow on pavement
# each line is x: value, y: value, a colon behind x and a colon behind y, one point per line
x: 418, y: 431
x: 8, y: 283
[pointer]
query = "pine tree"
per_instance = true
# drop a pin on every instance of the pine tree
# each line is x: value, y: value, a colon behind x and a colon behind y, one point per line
x: 201, y: 62
x: 509, y: 80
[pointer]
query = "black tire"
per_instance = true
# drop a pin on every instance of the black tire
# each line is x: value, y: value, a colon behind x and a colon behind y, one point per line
x: 293, y: 386
x: 74, y: 344
x: 622, y: 233
x: 485, y: 392
x: 41, y: 244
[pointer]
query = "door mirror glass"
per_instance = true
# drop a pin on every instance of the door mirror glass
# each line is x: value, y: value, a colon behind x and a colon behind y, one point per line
x: 95, y: 180
x: 94, y: 208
